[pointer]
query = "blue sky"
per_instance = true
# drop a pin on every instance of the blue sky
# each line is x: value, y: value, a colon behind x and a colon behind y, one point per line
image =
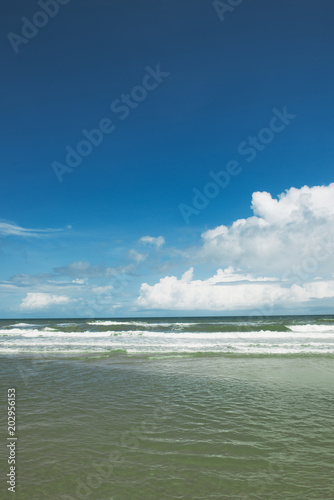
x: 244, y: 93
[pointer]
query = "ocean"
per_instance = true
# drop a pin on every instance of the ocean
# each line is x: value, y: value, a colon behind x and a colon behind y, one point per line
x: 170, y: 408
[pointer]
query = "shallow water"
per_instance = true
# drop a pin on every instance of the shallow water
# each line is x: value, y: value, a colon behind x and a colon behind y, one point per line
x: 191, y: 408
x: 209, y: 427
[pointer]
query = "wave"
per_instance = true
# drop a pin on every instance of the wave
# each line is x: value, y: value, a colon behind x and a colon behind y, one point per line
x: 22, y: 325
x: 193, y: 336
x: 18, y: 331
x: 233, y: 327
x: 169, y: 349
x: 131, y: 324
x: 312, y: 328
x: 250, y: 332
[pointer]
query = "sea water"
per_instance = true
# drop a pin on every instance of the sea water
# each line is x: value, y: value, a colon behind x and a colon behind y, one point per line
x: 171, y: 408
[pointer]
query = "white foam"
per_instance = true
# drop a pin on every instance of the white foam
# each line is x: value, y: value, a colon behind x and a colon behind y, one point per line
x: 312, y: 328
x: 308, y: 338
x: 22, y: 324
x: 135, y: 323
x: 18, y: 331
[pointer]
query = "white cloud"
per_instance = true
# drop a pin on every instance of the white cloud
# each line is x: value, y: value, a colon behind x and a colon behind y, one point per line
x: 136, y: 256
x: 289, y: 234
x: 102, y: 289
x: 228, y: 275
x: 228, y: 291
x: 9, y: 229
x: 35, y: 301
x: 7, y: 286
x: 150, y: 240
x: 282, y: 255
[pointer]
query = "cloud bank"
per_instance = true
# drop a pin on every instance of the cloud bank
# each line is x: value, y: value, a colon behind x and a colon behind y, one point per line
x: 281, y: 256
x: 220, y: 294
x: 38, y: 301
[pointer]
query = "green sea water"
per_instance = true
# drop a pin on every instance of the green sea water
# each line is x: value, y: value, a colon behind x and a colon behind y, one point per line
x: 165, y: 424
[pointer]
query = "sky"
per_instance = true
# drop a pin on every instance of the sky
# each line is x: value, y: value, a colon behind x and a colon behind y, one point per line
x: 166, y: 158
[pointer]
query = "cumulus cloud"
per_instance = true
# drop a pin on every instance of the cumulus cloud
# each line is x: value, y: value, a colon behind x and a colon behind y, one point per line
x: 282, y: 255
x: 36, y: 301
x: 228, y: 290
x: 294, y: 231
x: 10, y: 229
x: 158, y: 242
